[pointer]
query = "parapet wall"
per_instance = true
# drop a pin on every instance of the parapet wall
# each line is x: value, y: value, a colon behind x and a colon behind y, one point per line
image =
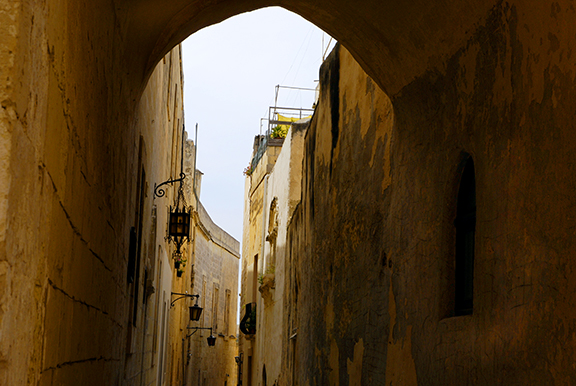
x: 217, y: 234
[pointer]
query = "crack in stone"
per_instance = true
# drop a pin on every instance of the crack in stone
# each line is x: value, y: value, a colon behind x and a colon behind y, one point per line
x: 79, y: 234
x: 72, y: 363
x: 74, y: 299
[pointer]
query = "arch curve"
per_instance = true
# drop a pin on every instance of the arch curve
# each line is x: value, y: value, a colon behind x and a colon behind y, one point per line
x: 393, y: 41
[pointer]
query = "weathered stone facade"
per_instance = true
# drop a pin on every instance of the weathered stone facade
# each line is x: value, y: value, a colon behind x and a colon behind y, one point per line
x: 210, y: 269
x: 374, y: 237
x: 148, y: 314
x: 70, y: 313
x: 91, y: 323
x: 339, y: 268
x: 272, y: 192
x: 216, y: 269
x: 370, y: 266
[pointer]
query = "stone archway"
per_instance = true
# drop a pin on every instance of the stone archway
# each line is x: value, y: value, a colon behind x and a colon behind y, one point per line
x: 393, y: 41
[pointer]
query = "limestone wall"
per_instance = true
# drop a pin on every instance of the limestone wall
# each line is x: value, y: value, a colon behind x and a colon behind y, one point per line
x: 374, y: 236
x: 73, y: 182
x: 255, y: 188
x: 336, y: 238
x: 274, y: 194
x: 162, y: 120
x: 216, y: 267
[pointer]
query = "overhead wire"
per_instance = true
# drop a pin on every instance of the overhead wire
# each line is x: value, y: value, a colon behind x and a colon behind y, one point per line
x: 298, y: 94
x: 309, y: 37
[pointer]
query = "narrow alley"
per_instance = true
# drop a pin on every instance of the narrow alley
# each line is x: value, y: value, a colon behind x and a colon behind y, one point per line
x: 415, y: 227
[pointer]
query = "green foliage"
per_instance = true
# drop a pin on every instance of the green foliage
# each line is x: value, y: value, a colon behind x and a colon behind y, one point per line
x: 180, y: 259
x: 279, y: 131
x: 248, y: 170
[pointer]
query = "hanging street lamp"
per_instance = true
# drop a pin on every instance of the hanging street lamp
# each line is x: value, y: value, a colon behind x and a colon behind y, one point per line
x: 179, y: 226
x: 211, y: 339
x: 195, y: 310
x: 179, y: 215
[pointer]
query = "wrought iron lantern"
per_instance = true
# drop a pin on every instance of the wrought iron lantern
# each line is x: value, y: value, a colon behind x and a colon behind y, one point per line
x: 195, y: 311
x: 179, y: 223
x: 179, y: 226
x: 179, y: 215
x: 211, y: 339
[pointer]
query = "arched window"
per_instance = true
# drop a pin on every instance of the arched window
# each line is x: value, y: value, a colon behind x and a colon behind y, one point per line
x: 465, y: 224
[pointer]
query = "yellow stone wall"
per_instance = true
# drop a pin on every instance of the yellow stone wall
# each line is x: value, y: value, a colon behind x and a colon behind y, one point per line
x: 333, y: 310
x: 72, y: 191
x: 161, y: 116
x: 373, y: 240
x: 216, y: 268
x: 68, y: 186
x: 274, y: 191
x: 72, y: 153
x: 211, y: 271
x: 252, y: 239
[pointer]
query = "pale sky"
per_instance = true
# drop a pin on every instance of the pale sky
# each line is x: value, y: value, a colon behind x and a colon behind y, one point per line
x: 230, y: 73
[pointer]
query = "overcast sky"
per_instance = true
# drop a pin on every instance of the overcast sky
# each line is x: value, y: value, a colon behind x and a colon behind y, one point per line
x: 230, y: 73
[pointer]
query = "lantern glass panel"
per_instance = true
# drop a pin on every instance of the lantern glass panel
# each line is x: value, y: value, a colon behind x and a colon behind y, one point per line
x: 195, y: 312
x: 179, y: 224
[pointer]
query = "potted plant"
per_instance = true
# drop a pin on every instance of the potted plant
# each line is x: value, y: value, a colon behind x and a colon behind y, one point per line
x: 279, y: 131
x: 179, y: 261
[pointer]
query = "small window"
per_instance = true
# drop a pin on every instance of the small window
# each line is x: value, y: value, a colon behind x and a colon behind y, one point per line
x: 465, y: 224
